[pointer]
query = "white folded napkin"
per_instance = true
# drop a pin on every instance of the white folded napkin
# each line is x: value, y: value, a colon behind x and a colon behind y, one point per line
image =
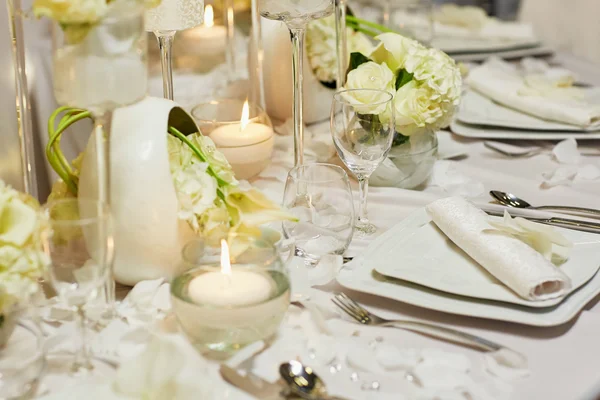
x: 542, y: 95
x: 510, y: 260
x: 473, y: 23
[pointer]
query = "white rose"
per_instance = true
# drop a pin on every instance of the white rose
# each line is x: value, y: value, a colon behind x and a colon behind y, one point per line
x: 369, y: 75
x: 71, y: 11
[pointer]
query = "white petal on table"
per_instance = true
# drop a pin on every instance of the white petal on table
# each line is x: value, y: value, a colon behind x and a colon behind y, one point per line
x: 565, y: 152
x: 510, y: 260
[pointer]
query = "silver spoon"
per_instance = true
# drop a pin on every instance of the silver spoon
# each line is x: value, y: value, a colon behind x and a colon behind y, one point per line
x: 304, y: 382
x: 510, y: 200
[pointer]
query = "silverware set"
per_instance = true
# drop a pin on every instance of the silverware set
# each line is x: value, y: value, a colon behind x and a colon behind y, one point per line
x: 526, y: 152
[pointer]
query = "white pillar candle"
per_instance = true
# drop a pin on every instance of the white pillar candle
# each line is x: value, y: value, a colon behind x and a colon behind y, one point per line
x: 241, y: 288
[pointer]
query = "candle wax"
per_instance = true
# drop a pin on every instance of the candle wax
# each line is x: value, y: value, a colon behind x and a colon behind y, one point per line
x: 241, y: 288
x: 206, y: 40
x: 233, y: 136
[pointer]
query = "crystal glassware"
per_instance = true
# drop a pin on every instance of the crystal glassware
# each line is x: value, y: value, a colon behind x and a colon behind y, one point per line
x: 165, y: 20
x: 80, y: 249
x: 242, y: 131
x: 341, y: 42
x: 296, y: 14
x: 319, y: 195
x: 102, y: 68
x: 362, y: 126
x: 234, y: 291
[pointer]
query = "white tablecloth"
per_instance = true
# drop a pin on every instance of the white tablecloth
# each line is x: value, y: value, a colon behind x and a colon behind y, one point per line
x: 564, y: 360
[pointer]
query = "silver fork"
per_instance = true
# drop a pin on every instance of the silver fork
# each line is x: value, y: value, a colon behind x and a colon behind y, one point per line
x: 365, y: 317
x: 530, y: 151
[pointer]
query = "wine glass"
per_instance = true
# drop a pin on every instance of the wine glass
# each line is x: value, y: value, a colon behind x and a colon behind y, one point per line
x: 79, y: 246
x: 362, y: 126
x: 341, y: 42
x: 101, y: 69
x: 319, y: 195
x: 165, y: 20
x: 411, y: 18
x: 296, y: 14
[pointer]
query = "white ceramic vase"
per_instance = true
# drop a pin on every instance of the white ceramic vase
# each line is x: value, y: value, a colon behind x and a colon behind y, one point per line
x: 277, y: 70
x: 148, y: 234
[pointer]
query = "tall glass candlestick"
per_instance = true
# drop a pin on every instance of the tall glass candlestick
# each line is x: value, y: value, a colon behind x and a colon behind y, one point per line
x: 229, y: 18
x: 165, y: 20
x: 296, y: 14
x: 15, y: 24
x: 259, y: 89
x: 341, y: 42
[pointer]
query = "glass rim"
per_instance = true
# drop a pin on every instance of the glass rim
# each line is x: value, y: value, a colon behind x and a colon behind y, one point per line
x: 106, y: 213
x: 294, y: 172
x: 265, y: 244
x: 251, y: 106
x: 339, y: 99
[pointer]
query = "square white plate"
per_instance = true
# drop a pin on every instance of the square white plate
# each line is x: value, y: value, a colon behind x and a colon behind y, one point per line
x: 462, y: 45
x: 489, y: 132
x: 476, y: 109
x: 360, y: 275
x: 421, y: 253
x: 509, y: 54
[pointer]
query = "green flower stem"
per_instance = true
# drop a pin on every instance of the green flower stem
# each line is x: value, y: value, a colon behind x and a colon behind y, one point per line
x: 359, y: 28
x: 173, y: 131
x: 359, y: 21
x: 54, y: 153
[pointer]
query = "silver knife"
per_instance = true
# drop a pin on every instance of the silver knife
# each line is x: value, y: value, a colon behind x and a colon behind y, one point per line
x: 567, y: 223
x: 254, y: 385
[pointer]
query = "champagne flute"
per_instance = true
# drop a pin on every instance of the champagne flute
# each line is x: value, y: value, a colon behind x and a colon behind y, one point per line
x: 341, y: 42
x: 362, y: 126
x: 296, y: 14
x: 165, y: 20
x: 79, y: 247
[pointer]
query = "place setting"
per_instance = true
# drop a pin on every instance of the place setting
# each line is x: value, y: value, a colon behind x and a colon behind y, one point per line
x: 297, y: 213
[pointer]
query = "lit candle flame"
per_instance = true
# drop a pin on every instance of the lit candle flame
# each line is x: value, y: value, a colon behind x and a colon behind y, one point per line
x: 225, y: 262
x: 245, y: 116
x: 209, y: 16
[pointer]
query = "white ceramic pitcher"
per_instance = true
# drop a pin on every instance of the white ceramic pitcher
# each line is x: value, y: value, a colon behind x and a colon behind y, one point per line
x: 148, y: 234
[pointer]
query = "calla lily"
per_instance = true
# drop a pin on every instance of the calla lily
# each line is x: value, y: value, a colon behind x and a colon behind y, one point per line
x: 252, y: 208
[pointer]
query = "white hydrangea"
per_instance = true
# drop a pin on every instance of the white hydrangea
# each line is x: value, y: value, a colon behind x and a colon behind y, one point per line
x: 429, y: 100
x: 321, y: 47
x: 21, y: 261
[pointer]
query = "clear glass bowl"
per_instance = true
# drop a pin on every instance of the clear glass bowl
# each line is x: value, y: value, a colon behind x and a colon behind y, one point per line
x: 221, y: 313
x: 248, y: 149
x: 408, y: 165
x: 22, y: 361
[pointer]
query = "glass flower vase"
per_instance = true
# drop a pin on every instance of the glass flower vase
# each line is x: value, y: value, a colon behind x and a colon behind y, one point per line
x: 408, y: 164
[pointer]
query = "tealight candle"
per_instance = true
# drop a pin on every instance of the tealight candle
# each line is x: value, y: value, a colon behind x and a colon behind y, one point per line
x: 248, y: 146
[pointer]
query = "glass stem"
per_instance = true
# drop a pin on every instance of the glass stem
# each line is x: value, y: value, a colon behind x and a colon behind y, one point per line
x: 297, y: 65
x: 387, y: 9
x: 229, y: 18
x: 101, y: 142
x: 165, y: 43
x: 363, y: 191
x: 341, y: 42
x: 82, y: 356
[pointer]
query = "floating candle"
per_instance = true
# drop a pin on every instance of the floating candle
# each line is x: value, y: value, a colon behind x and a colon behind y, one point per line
x: 229, y: 287
x: 207, y: 39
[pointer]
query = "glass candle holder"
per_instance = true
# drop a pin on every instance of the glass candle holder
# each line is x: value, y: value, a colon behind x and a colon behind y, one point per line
x: 236, y: 293
x: 242, y: 131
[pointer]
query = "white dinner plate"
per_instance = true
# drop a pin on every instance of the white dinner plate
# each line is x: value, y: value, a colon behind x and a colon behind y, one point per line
x: 487, y: 132
x: 417, y: 251
x: 464, y: 45
x: 359, y: 275
x: 476, y: 109
x: 506, y: 54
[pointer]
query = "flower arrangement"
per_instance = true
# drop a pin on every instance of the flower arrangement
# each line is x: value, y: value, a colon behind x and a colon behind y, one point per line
x: 21, y: 260
x: 76, y: 17
x: 426, y: 83
x: 210, y: 199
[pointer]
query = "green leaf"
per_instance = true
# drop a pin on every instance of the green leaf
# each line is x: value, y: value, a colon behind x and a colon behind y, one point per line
x: 400, y: 139
x: 357, y: 59
x: 402, y: 78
